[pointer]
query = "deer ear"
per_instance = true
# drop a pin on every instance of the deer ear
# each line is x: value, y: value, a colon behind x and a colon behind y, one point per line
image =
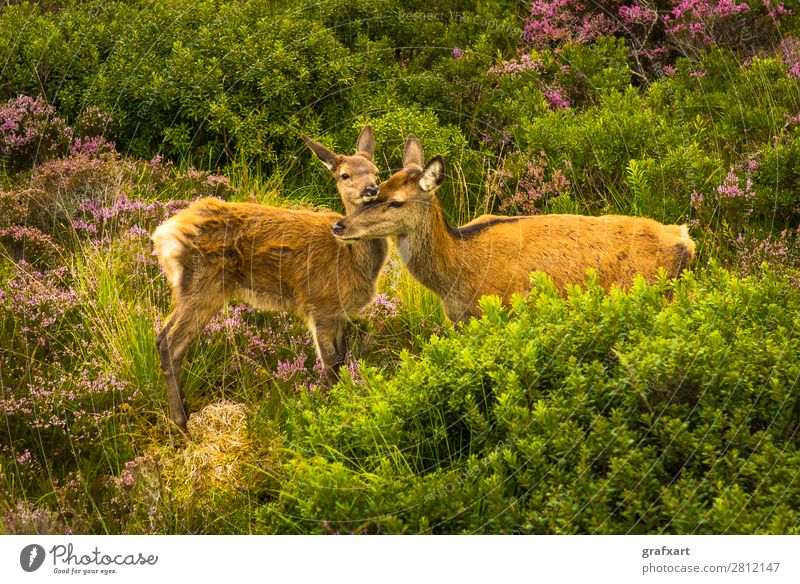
x: 412, y: 153
x: 432, y: 175
x: 328, y: 158
x: 366, y: 142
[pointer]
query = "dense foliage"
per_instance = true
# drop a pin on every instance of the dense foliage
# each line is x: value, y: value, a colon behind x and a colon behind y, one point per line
x: 595, y: 413
x: 669, y: 408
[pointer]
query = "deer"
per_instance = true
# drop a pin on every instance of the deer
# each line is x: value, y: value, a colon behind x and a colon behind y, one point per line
x: 273, y: 258
x: 495, y: 255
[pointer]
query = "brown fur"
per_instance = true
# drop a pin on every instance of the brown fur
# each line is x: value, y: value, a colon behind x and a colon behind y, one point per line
x: 273, y: 258
x: 494, y: 255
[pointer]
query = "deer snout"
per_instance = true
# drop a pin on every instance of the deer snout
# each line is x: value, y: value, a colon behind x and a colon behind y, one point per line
x: 370, y: 192
x: 338, y: 228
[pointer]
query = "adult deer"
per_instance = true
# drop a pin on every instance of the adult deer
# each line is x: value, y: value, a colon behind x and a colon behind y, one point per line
x: 496, y: 254
x: 272, y: 258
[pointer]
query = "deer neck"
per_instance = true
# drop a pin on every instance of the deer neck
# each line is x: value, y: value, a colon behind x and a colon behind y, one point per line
x: 369, y: 254
x: 431, y: 253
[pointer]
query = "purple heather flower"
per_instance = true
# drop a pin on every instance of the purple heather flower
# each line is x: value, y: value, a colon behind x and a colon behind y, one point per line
x: 556, y: 99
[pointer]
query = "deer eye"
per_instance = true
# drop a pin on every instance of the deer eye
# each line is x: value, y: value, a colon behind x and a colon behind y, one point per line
x: 345, y: 176
x: 396, y: 204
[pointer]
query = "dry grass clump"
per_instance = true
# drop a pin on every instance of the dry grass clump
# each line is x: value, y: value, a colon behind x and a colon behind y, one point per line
x: 201, y: 484
x: 219, y: 455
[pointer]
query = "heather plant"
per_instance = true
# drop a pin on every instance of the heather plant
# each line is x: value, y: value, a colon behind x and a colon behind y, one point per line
x: 657, y: 30
x: 529, y: 191
x: 59, y: 188
x: 34, y: 306
x: 265, y: 348
x: 402, y: 317
x: 93, y: 192
x: 568, y: 21
x: 692, y: 25
x: 23, y: 517
x: 30, y: 245
x: 178, y: 183
x: 93, y: 122
x: 64, y: 508
x: 780, y: 252
x: 91, y: 147
x: 136, y: 497
x: 576, y: 75
x: 13, y: 209
x: 383, y: 308
x: 64, y: 416
x: 31, y: 132
x: 735, y: 194
x: 100, y: 219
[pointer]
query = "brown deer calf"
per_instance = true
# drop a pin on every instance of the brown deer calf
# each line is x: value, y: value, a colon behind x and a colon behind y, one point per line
x: 496, y: 254
x: 274, y: 259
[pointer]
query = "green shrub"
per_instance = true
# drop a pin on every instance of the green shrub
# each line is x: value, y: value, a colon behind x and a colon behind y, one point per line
x: 620, y: 413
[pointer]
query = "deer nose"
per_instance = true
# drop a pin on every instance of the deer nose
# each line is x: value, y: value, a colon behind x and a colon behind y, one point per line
x: 338, y: 228
x: 371, y: 191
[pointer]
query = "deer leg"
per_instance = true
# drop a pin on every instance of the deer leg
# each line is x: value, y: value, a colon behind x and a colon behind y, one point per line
x: 182, y: 329
x: 330, y: 338
x: 458, y: 313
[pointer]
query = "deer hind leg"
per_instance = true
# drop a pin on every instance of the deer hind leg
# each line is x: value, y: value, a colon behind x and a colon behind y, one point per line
x: 183, y: 327
x: 330, y: 338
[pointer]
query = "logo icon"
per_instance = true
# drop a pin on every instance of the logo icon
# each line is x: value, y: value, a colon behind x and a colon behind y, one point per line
x: 31, y: 557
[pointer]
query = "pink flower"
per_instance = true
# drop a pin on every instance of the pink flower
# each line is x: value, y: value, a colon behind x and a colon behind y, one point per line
x: 561, y: 21
x: 637, y: 14
x: 30, y: 131
x: 731, y: 189
x: 91, y: 146
x: 287, y: 369
x: 556, y: 99
x: 515, y: 67
x: 696, y: 199
x: 533, y: 186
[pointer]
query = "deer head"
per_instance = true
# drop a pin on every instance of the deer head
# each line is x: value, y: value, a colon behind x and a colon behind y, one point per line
x: 356, y: 176
x: 404, y: 201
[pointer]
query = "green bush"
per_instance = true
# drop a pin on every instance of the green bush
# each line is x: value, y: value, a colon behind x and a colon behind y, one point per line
x: 218, y: 81
x: 597, y: 146
x: 638, y: 412
x: 709, y: 124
